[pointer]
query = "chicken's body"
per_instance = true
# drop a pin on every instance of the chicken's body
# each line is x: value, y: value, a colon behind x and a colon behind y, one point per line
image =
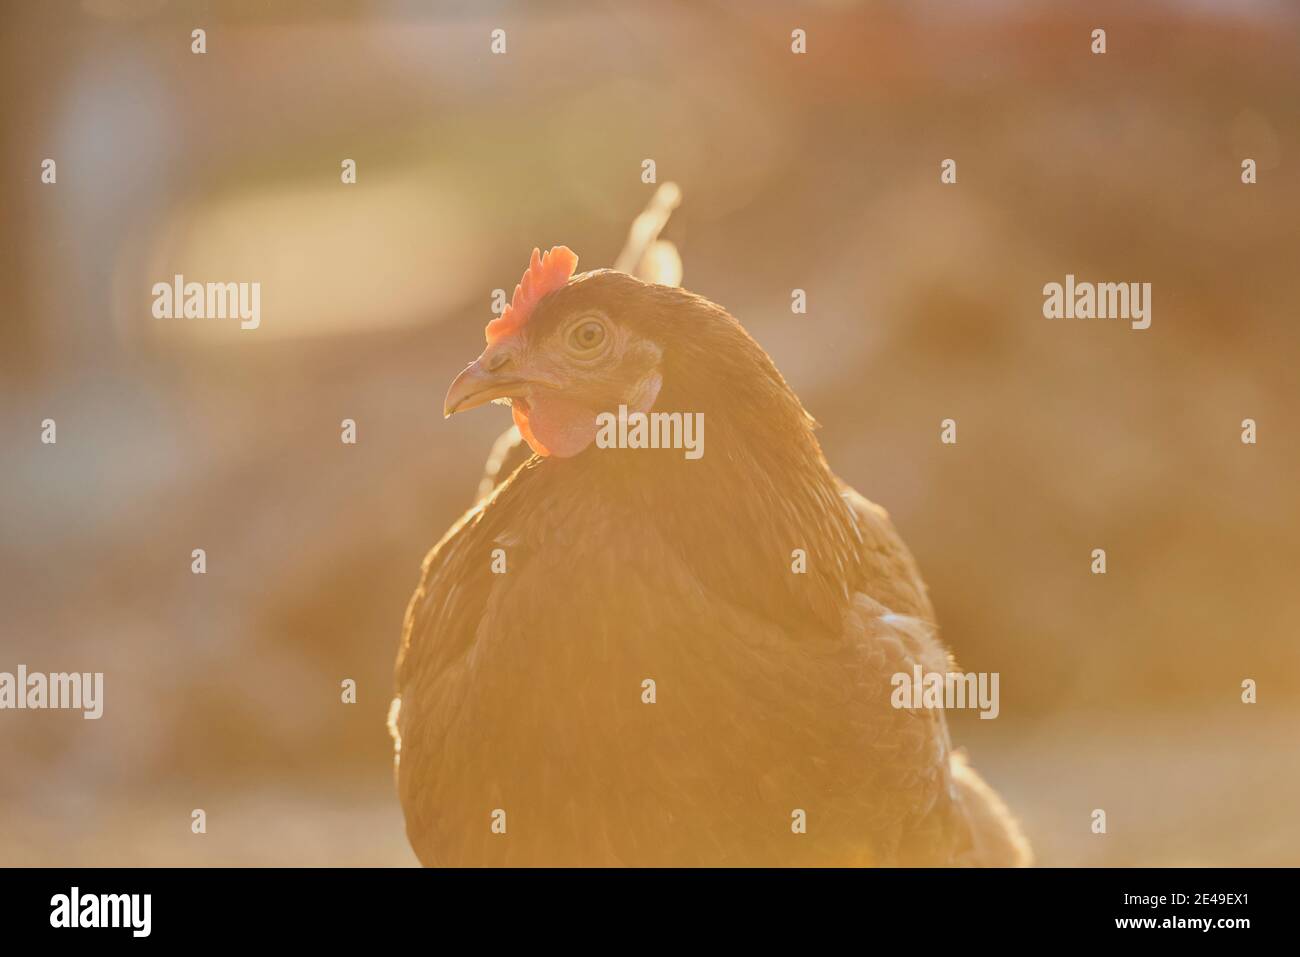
x: 525, y: 692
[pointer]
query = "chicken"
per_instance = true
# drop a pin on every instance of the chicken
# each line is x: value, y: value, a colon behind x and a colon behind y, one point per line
x: 618, y: 657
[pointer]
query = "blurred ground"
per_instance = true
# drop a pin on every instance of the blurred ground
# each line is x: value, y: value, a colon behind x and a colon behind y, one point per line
x: 818, y: 172
x: 1182, y: 790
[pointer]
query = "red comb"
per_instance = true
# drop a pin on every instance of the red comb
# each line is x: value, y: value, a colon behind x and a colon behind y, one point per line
x: 546, y: 273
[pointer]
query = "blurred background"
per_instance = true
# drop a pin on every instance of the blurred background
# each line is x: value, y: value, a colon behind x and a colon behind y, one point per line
x: 819, y: 172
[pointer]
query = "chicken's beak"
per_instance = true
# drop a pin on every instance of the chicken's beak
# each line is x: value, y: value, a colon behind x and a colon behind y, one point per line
x: 479, y: 384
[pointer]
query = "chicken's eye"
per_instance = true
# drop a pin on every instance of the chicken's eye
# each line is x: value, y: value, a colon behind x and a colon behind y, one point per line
x: 587, y: 336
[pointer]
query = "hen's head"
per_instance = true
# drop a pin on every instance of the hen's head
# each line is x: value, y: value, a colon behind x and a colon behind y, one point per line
x: 573, y: 347
x: 568, y: 348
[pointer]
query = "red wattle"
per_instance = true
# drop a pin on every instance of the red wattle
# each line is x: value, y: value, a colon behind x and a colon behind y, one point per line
x: 554, y: 425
